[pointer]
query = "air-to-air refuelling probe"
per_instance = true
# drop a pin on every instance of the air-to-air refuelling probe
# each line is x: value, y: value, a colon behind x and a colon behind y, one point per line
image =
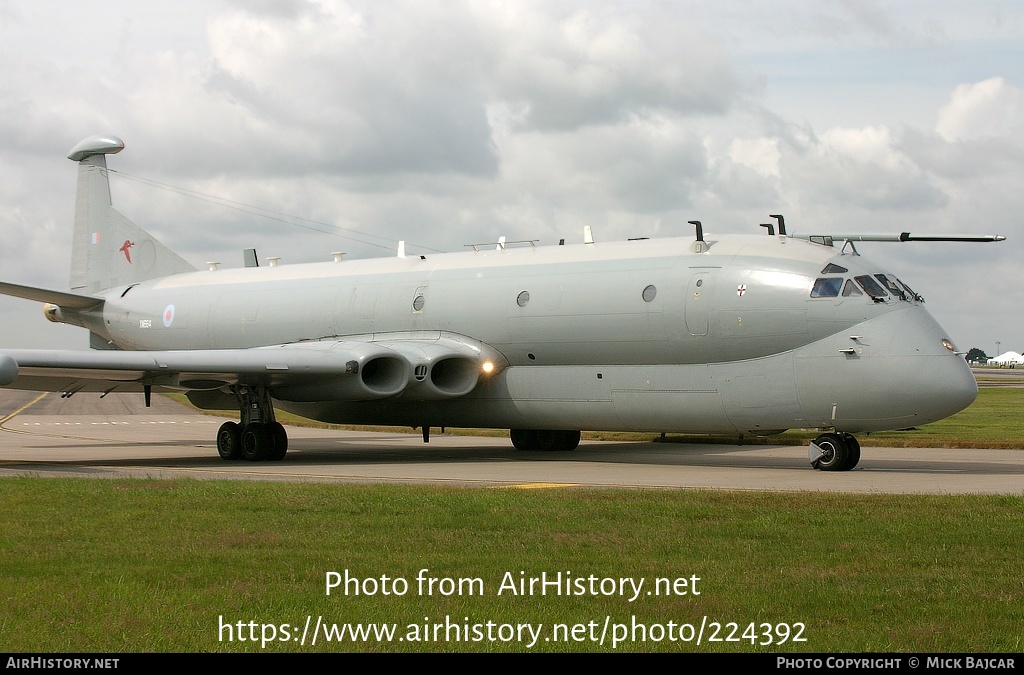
x: 740, y: 334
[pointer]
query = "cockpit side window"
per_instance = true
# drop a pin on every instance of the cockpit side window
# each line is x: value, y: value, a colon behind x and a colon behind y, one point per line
x: 827, y: 287
x: 892, y: 285
x: 851, y: 289
x: 871, y: 287
x: 910, y: 291
x: 833, y: 268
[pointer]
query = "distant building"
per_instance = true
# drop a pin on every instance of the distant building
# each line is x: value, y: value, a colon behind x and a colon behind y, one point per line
x: 1007, y: 360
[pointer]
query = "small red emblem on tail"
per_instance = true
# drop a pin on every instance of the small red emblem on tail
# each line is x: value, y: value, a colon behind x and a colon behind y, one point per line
x: 124, y: 249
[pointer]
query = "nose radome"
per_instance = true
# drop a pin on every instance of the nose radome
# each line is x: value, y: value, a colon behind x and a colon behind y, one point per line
x: 889, y: 372
x: 938, y: 381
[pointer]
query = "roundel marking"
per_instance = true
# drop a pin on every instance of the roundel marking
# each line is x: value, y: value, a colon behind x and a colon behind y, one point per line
x: 168, y: 316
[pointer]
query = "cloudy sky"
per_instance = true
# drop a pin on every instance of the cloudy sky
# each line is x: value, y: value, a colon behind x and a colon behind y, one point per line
x: 302, y: 127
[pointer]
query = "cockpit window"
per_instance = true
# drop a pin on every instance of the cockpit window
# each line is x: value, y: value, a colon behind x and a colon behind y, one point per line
x: 892, y: 284
x: 832, y: 268
x: 871, y: 287
x: 851, y: 289
x: 827, y: 287
x: 913, y: 294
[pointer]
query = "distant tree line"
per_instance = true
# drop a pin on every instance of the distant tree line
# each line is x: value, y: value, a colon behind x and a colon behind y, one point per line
x: 977, y: 355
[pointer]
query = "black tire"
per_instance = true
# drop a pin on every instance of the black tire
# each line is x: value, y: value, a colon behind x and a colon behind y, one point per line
x: 548, y: 440
x: 836, y: 453
x: 229, y: 441
x: 280, y: 438
x: 558, y: 441
x: 257, y: 443
x: 570, y: 441
x: 853, y: 448
x: 524, y: 439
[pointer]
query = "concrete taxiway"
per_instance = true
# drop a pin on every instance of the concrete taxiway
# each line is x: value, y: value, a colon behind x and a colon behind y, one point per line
x: 116, y: 436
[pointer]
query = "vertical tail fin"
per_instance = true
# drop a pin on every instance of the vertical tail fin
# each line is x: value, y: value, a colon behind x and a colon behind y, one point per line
x: 108, y: 249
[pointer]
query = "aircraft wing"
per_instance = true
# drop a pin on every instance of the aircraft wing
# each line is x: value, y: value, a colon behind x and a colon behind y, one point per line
x: 336, y: 370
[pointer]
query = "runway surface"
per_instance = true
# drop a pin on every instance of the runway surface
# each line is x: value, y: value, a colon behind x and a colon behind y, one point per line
x: 117, y: 436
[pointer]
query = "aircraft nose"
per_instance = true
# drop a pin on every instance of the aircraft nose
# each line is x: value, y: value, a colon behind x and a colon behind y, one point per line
x: 931, y: 379
x: 898, y: 371
x: 943, y: 387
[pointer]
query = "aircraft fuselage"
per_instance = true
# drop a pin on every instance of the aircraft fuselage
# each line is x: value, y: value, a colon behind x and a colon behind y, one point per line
x: 638, y: 335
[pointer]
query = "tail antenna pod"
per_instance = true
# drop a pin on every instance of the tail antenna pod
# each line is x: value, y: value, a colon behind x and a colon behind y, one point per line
x: 770, y: 226
x: 782, y: 223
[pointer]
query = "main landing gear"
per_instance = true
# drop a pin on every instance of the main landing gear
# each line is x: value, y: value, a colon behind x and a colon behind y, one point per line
x: 834, y: 452
x: 259, y: 437
x: 543, y: 439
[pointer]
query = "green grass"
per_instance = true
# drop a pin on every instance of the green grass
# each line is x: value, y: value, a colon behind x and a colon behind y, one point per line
x: 150, y: 565
x: 992, y: 421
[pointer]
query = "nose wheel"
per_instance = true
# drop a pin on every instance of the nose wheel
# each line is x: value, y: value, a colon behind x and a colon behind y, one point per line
x: 834, y: 452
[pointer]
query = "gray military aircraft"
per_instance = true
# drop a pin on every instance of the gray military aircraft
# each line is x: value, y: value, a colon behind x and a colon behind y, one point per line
x: 733, y: 334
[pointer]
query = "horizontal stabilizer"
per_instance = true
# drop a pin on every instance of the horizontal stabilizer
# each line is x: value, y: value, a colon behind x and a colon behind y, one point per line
x: 59, y: 298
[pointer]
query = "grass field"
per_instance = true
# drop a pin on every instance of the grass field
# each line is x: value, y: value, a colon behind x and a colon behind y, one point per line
x: 152, y: 565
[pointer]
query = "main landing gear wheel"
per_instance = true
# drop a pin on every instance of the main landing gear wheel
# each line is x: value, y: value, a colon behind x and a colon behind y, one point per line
x: 840, y: 452
x: 259, y: 437
x: 280, y: 437
x: 544, y: 439
x: 257, y: 442
x: 524, y: 439
x: 229, y: 441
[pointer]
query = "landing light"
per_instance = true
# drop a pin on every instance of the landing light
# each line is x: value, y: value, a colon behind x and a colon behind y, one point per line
x: 488, y: 367
x: 948, y: 345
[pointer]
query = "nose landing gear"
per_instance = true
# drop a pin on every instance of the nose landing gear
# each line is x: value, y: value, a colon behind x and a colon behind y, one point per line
x: 834, y: 452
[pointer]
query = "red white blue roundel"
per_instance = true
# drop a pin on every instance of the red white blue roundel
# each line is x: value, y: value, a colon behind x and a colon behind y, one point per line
x: 169, y: 316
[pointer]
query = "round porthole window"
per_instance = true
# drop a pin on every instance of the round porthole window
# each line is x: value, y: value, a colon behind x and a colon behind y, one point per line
x: 649, y: 293
x: 417, y: 303
x: 523, y: 298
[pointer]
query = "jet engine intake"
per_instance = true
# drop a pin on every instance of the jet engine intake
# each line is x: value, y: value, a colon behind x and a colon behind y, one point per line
x: 378, y: 376
x: 445, y: 370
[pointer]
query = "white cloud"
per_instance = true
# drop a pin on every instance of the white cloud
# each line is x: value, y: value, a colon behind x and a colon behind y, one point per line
x: 760, y: 154
x: 858, y: 168
x: 451, y: 122
x: 986, y: 109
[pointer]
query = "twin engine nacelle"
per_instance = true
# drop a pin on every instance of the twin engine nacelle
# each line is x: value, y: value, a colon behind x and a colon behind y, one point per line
x: 413, y: 371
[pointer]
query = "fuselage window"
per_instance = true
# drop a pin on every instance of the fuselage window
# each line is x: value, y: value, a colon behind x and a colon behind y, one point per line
x: 851, y: 289
x: 827, y: 287
x: 833, y: 268
x: 649, y: 292
x: 871, y: 287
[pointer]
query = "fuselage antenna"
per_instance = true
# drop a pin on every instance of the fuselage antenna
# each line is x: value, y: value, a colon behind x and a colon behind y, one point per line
x: 700, y: 229
x: 782, y: 223
x: 770, y: 226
